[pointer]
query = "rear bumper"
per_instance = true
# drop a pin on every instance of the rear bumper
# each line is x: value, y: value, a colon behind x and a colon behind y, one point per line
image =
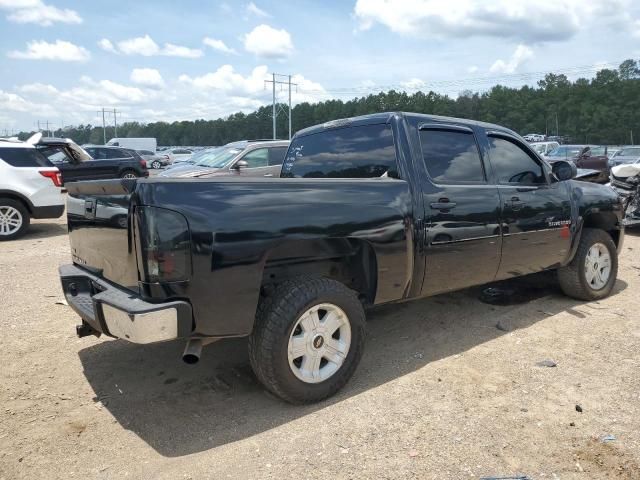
x: 119, y: 313
x: 50, y: 211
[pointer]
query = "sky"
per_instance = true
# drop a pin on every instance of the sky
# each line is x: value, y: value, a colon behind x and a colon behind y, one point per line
x: 62, y: 61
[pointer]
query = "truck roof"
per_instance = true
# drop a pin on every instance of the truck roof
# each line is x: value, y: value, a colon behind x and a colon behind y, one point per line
x: 385, y: 117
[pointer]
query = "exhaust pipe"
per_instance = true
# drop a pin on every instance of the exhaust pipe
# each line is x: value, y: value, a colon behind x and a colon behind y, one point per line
x: 192, y: 351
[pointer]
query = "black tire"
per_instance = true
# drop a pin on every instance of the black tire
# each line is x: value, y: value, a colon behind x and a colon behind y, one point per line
x: 156, y: 165
x: 25, y: 217
x: 573, y: 280
x: 128, y: 172
x: 278, y: 314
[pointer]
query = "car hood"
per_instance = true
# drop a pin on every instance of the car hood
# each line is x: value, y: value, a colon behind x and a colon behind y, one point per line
x: 186, y: 171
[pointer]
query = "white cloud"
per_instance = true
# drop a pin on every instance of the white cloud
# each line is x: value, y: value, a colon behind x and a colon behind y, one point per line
x: 253, y: 9
x: 473, y: 69
x: 635, y: 29
x: 147, y: 47
x: 106, y: 45
x: 171, y: 50
x: 139, y: 46
x: 227, y: 79
x: 413, y: 84
x: 542, y: 20
x: 218, y: 45
x: 147, y: 77
x: 521, y: 54
x: 269, y: 42
x: 60, y: 50
x: 36, y: 11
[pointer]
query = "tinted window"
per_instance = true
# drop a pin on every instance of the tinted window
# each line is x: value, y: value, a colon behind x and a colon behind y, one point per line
x: 145, y: 152
x: 353, y: 152
x: 451, y: 156
x: 24, y: 157
x: 512, y: 164
x: 276, y: 155
x: 257, y: 158
x: 113, y: 153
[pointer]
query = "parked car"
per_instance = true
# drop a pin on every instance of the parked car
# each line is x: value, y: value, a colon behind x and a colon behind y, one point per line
x: 534, y: 137
x: 177, y: 155
x: 589, y: 157
x: 98, y: 162
x: 30, y: 187
x: 154, y: 160
x: 543, y: 148
x: 252, y: 158
x: 148, y: 143
x: 369, y: 210
x: 625, y: 155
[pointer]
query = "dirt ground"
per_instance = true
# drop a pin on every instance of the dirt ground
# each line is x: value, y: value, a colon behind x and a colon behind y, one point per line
x: 441, y: 393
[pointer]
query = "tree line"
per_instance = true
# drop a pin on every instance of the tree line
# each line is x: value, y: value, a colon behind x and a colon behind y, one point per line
x: 602, y: 110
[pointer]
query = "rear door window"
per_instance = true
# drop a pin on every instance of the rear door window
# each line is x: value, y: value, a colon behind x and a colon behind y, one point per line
x: 365, y: 151
x: 114, y: 153
x: 24, y: 157
x: 451, y: 156
x: 276, y: 155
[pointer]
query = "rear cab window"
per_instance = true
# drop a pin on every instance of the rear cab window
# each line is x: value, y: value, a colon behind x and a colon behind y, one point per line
x: 363, y: 151
x: 24, y: 157
x: 451, y: 156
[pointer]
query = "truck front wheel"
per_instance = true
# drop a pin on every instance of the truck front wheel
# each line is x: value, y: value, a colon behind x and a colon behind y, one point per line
x: 593, y: 271
x: 308, y: 339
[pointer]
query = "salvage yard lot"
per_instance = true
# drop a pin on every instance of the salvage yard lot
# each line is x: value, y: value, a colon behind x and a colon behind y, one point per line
x: 449, y: 387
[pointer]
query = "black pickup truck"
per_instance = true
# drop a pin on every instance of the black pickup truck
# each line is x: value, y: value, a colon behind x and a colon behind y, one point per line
x: 369, y: 210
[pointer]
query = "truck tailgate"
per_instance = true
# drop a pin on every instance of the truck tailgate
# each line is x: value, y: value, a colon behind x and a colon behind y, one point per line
x: 100, y: 230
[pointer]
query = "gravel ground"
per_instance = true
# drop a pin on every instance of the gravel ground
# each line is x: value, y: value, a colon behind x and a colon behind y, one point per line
x: 449, y: 388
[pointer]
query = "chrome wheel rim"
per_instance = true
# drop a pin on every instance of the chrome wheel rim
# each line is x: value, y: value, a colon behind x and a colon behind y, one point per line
x: 155, y: 165
x: 597, y: 266
x: 129, y: 175
x: 319, y: 343
x: 10, y: 220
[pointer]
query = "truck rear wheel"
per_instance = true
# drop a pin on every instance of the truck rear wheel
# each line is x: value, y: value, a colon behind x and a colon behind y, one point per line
x: 593, y: 271
x: 14, y: 219
x: 308, y: 339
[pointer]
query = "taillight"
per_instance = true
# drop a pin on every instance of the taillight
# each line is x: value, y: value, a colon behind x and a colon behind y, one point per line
x: 143, y: 163
x: 54, y: 175
x: 165, y: 245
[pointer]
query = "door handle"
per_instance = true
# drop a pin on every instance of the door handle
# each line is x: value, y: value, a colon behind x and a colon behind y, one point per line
x: 268, y: 174
x: 515, y: 203
x: 443, y: 204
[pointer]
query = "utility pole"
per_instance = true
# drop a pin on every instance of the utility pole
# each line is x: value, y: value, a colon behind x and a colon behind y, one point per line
x: 274, y: 114
x: 115, y: 123
x: 631, y: 132
x: 104, y: 129
x: 274, y: 110
x: 557, y: 129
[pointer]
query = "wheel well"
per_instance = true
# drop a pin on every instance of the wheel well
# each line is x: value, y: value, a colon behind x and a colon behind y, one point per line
x: 19, y: 198
x: 606, y: 221
x: 348, y: 261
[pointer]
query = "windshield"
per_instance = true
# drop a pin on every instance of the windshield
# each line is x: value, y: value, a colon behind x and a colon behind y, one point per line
x: 216, y: 158
x: 628, y: 152
x: 565, y: 152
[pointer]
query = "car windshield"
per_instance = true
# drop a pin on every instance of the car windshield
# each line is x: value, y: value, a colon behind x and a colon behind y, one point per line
x: 628, y: 152
x: 216, y: 158
x: 564, y: 152
x: 538, y: 147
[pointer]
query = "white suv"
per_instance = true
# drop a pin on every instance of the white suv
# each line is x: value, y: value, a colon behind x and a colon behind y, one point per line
x: 30, y: 186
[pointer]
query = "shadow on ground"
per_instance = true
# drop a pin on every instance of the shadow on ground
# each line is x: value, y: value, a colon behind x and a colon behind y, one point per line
x: 37, y: 231
x: 180, y: 409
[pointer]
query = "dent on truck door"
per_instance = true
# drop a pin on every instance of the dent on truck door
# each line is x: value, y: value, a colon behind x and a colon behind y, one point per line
x: 535, y: 213
x: 460, y: 212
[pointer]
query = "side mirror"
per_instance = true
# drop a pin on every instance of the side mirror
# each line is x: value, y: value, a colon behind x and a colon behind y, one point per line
x: 564, y: 170
x: 240, y: 164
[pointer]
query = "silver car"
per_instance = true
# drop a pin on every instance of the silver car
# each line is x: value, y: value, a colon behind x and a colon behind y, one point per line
x: 251, y: 158
x: 154, y: 160
x: 625, y: 155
